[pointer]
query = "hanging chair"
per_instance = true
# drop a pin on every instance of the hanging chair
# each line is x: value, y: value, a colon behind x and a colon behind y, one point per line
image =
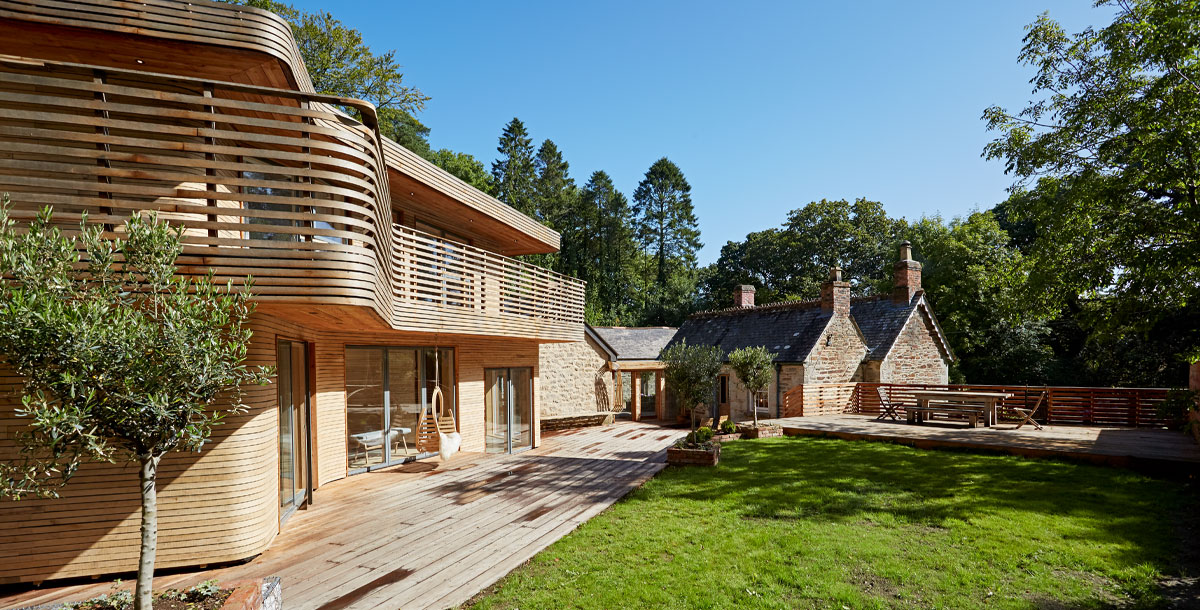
x: 435, y: 431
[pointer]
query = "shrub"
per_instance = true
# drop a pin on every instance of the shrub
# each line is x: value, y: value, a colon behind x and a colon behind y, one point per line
x: 728, y: 427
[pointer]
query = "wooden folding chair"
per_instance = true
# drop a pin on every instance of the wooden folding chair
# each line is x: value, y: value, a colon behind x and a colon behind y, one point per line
x: 1027, y: 414
x: 886, y: 407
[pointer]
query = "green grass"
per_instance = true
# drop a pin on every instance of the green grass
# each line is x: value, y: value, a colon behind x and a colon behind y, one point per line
x: 820, y: 523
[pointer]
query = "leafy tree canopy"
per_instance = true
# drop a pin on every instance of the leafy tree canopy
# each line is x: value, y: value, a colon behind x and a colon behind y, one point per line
x: 120, y: 358
x: 667, y: 230
x: 754, y: 367
x: 464, y: 166
x: 691, y: 372
x: 789, y: 263
x: 1107, y: 160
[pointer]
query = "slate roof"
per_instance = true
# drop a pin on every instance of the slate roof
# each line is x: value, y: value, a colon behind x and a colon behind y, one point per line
x: 880, y: 319
x: 788, y: 329
x: 791, y: 330
x: 636, y: 343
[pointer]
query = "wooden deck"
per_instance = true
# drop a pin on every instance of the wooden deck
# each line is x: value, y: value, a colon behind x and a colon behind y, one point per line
x: 1149, y: 449
x: 430, y: 535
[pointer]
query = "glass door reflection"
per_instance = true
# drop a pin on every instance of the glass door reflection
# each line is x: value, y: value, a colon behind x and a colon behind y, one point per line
x: 508, y: 409
x: 291, y: 358
x: 386, y: 390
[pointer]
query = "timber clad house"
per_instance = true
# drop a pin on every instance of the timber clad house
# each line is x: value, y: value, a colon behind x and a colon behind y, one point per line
x: 378, y: 276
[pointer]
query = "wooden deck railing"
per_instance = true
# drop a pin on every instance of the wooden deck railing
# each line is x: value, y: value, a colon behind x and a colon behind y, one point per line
x: 277, y: 184
x: 465, y: 285
x: 1063, y: 405
x: 818, y: 399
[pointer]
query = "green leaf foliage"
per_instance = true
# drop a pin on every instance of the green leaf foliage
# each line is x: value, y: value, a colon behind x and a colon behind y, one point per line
x: 691, y: 372
x: 340, y: 63
x: 666, y: 230
x: 513, y: 173
x: 1107, y: 162
x: 791, y: 262
x: 120, y: 357
x: 465, y: 167
x: 754, y: 367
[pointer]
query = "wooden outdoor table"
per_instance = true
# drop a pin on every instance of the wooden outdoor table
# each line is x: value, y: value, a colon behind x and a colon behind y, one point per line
x: 988, y: 400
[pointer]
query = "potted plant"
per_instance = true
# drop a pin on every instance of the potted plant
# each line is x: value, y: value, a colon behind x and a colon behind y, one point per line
x: 753, y: 365
x: 727, y: 431
x: 695, y: 449
x: 691, y: 371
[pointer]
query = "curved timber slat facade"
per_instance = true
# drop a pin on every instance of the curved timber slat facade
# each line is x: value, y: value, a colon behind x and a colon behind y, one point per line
x: 203, y: 113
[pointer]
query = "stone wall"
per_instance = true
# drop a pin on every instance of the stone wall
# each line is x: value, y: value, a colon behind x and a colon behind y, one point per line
x: 574, y: 379
x: 915, y: 357
x: 838, y: 361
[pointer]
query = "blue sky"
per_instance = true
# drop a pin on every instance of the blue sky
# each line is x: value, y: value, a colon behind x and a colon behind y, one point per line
x: 765, y: 106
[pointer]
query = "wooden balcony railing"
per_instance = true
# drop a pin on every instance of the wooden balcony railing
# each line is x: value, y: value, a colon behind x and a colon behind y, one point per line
x: 277, y: 184
x: 464, y: 286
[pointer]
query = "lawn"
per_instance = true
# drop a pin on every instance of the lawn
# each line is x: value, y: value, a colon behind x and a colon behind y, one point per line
x: 822, y: 523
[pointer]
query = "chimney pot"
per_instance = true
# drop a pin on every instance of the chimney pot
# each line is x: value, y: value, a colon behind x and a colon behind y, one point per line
x: 743, y: 296
x: 906, y: 274
x: 835, y: 294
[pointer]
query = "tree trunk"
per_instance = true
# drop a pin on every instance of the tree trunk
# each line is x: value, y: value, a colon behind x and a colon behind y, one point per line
x: 754, y: 408
x: 144, y: 600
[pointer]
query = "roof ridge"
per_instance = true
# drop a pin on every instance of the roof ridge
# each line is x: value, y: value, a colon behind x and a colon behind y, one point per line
x: 765, y: 307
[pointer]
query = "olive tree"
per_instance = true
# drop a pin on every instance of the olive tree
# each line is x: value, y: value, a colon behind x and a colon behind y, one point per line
x: 692, y: 371
x: 121, y: 359
x: 753, y: 367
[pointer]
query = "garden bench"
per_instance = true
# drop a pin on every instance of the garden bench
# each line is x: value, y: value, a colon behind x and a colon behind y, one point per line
x: 972, y: 413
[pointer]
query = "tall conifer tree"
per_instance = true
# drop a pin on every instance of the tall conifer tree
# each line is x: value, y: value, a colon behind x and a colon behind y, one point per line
x: 554, y: 191
x: 666, y: 229
x: 513, y: 172
x: 601, y: 246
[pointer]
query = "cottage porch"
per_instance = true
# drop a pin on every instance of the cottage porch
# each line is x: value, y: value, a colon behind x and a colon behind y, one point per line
x: 430, y: 535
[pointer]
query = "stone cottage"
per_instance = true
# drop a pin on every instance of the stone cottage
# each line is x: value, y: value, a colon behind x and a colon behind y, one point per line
x: 891, y: 338
x: 614, y: 369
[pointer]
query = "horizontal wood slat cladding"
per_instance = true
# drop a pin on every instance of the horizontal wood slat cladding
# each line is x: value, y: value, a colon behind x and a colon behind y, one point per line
x: 222, y: 504
x: 1063, y: 405
x: 218, y: 505
x: 197, y: 21
x: 274, y: 184
x: 247, y: 35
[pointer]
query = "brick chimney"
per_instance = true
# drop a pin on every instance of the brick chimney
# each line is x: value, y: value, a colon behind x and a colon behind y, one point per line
x: 743, y: 296
x: 906, y: 274
x: 835, y: 294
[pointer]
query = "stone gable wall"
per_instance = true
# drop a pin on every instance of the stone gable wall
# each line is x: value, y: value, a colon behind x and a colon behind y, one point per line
x: 574, y: 379
x: 915, y: 357
x: 839, y: 361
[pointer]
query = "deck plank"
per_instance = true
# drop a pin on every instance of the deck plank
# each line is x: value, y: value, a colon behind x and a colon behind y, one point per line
x: 1168, y: 451
x: 424, y: 537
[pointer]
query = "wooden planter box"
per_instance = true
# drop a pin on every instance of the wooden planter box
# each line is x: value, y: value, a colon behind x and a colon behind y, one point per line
x: 762, y: 432
x: 721, y: 438
x: 694, y: 457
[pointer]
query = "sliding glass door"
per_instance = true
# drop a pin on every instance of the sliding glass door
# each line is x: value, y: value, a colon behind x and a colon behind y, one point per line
x: 291, y: 358
x: 387, y: 389
x: 508, y: 409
